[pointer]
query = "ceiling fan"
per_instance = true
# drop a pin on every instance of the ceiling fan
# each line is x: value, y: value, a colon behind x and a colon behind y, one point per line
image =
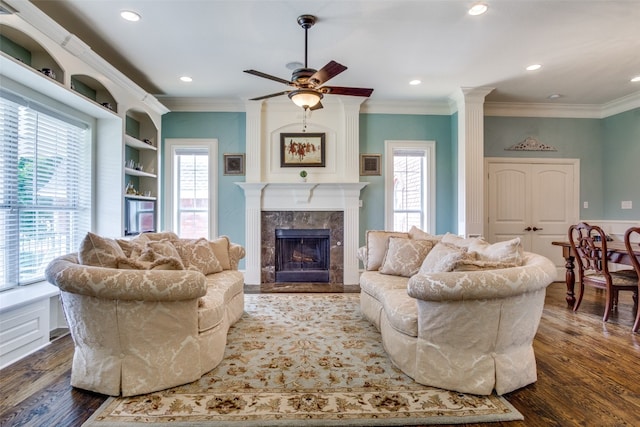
x: 308, y: 82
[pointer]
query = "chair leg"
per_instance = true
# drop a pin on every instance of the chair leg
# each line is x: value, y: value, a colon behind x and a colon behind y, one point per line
x: 576, y: 305
x: 636, y: 325
x: 611, y: 298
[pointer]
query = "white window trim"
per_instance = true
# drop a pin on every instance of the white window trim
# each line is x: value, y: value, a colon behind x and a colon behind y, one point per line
x: 429, y: 148
x: 170, y: 148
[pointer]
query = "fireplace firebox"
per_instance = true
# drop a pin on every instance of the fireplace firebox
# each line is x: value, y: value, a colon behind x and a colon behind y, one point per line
x: 302, y: 255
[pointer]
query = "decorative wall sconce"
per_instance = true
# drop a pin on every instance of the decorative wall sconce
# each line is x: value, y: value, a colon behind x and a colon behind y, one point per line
x: 531, y: 144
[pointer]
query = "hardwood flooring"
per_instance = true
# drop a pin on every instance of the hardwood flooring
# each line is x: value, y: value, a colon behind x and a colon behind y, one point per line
x: 588, y: 374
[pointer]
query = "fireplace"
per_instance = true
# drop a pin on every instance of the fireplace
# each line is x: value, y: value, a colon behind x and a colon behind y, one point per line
x: 302, y: 255
x: 272, y: 206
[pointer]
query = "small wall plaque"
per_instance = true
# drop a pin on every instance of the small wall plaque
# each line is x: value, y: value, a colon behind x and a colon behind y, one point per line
x: 531, y: 144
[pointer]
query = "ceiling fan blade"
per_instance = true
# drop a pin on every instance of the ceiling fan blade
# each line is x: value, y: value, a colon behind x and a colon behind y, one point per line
x: 268, y: 76
x: 326, y: 73
x: 269, y: 96
x: 317, y: 106
x: 353, y: 91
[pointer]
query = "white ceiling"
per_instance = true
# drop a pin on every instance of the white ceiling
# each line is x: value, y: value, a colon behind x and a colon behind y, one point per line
x: 589, y: 49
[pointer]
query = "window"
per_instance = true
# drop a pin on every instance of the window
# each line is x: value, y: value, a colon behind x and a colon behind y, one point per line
x: 192, y: 171
x: 45, y: 188
x: 410, y: 184
x: 192, y: 192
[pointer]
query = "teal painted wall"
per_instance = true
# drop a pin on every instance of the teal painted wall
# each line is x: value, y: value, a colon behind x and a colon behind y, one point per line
x: 621, y: 165
x: 230, y: 131
x: 374, y: 130
x: 574, y: 138
x: 608, y: 149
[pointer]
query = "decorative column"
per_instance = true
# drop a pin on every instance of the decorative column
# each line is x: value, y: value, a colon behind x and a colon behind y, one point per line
x: 470, y: 102
x: 351, y: 132
x: 253, y: 233
x: 351, y: 232
x: 253, y: 152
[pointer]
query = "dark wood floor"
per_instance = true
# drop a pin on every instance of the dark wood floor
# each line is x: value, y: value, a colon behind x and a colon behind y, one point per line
x: 588, y: 374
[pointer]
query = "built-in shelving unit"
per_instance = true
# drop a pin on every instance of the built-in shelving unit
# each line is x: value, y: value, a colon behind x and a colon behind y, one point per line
x: 141, y: 158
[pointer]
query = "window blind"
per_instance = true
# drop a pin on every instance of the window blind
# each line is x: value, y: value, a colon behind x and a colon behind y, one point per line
x: 45, y: 185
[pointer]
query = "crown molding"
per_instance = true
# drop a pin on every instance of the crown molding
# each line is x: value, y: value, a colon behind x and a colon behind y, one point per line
x: 438, y: 108
x: 620, y: 105
x: 519, y: 109
x: 203, y: 104
x: 579, y: 111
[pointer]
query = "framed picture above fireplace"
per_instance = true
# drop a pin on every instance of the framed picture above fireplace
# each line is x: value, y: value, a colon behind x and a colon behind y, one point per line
x: 302, y: 149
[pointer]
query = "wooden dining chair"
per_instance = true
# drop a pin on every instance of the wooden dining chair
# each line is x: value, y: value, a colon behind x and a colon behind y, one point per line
x: 589, y: 244
x: 633, y: 248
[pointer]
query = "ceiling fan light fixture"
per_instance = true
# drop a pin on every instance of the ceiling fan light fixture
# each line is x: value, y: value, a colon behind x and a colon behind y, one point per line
x: 305, y: 98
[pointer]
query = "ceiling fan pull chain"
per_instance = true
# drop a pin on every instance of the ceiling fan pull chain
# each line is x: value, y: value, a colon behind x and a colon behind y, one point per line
x: 304, y: 120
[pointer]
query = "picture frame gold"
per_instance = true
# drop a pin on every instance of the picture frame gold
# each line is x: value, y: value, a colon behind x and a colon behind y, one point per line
x: 233, y: 163
x: 370, y: 164
x: 302, y: 150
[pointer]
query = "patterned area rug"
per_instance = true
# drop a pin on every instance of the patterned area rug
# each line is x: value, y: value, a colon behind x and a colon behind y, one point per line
x: 303, y: 360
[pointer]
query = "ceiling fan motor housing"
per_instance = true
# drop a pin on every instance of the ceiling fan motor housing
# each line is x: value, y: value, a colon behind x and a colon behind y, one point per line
x: 301, y: 76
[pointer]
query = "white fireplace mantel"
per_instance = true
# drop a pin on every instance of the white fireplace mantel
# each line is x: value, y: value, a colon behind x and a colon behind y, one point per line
x: 302, y: 196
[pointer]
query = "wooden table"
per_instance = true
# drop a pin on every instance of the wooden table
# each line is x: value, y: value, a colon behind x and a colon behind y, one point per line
x: 617, y: 253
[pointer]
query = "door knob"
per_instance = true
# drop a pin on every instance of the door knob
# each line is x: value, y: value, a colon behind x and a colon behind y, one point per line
x: 527, y: 229
x: 537, y: 229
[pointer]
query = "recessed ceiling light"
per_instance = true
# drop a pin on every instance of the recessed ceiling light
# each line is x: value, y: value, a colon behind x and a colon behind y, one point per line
x: 534, y: 67
x: 635, y: 79
x: 186, y: 79
x: 130, y: 15
x: 478, y: 9
x: 415, y: 82
x: 554, y: 96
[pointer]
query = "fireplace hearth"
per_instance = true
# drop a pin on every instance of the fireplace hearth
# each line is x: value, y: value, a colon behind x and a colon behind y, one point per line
x: 302, y: 255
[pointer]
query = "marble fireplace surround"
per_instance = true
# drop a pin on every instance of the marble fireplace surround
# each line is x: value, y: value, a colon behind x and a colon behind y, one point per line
x: 298, y: 197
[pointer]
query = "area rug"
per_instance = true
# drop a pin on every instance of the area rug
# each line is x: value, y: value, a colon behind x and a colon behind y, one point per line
x: 303, y: 360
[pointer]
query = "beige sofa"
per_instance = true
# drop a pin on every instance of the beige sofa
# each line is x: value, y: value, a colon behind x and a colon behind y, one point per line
x: 460, y: 314
x: 149, y: 313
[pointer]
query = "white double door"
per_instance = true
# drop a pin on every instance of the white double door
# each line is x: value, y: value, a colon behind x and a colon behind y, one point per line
x: 534, y: 199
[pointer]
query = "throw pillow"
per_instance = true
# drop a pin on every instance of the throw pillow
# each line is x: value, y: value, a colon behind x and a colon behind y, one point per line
x: 508, y: 252
x: 418, y: 234
x: 154, y: 250
x: 131, y: 248
x: 405, y: 256
x: 442, y: 258
x: 377, y: 247
x: 198, y: 254
x: 453, y: 239
x: 164, y: 263
x: 160, y: 235
x: 99, y: 251
x: 220, y: 247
